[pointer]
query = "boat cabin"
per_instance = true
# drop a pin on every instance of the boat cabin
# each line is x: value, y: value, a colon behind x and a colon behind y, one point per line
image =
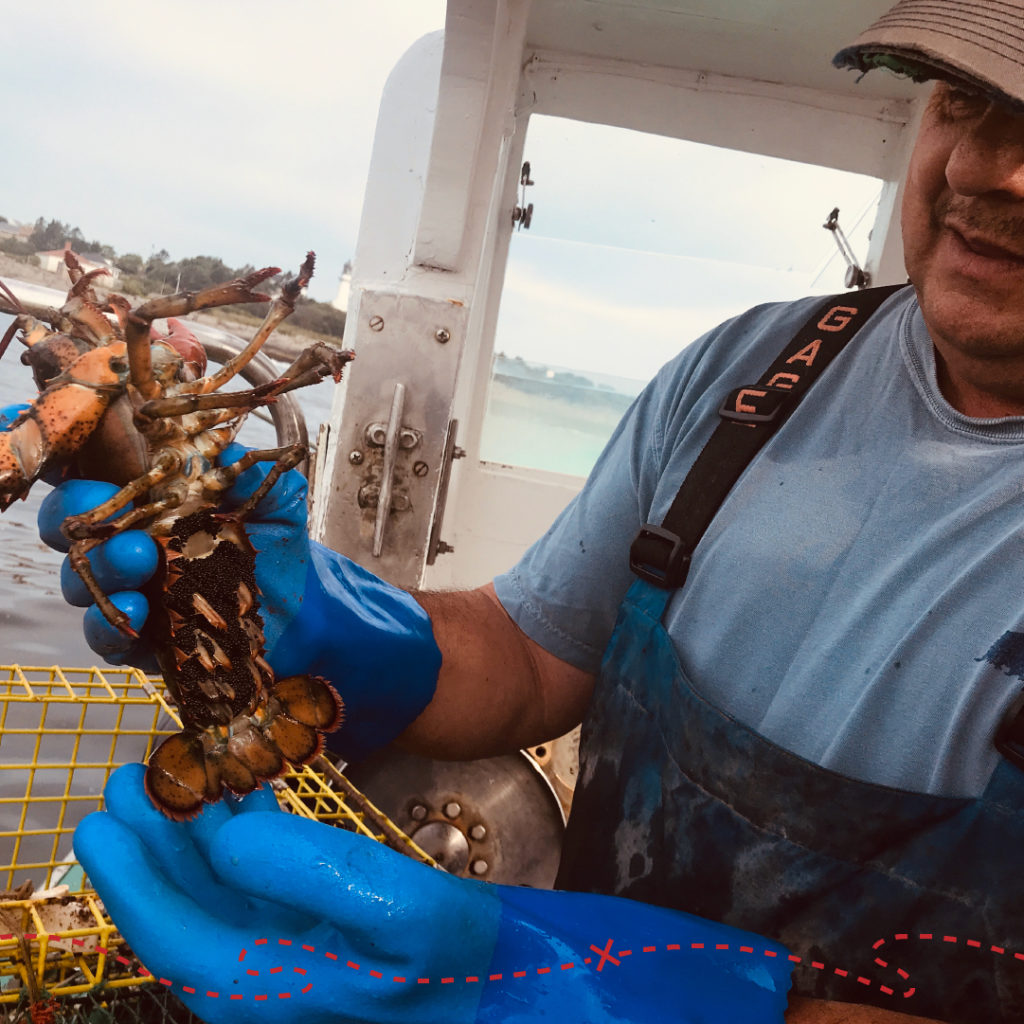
x: 441, y: 462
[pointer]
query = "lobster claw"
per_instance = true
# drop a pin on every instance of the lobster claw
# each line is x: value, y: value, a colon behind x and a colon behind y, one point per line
x: 186, y: 344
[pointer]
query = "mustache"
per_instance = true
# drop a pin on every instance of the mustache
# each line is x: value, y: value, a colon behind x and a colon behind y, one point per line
x: 982, y: 216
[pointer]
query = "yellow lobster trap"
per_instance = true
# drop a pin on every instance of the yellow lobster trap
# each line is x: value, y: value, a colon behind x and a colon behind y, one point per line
x: 62, y: 732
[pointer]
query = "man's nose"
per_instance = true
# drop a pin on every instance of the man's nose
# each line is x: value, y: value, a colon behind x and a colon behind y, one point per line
x: 989, y: 157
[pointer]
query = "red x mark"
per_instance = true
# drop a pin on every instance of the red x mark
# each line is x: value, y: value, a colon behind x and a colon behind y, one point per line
x: 605, y: 954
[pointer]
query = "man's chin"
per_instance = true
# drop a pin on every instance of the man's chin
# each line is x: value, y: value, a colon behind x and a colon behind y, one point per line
x: 973, y: 320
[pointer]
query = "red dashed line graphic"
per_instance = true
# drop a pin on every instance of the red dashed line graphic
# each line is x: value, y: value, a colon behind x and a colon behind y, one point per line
x: 604, y: 953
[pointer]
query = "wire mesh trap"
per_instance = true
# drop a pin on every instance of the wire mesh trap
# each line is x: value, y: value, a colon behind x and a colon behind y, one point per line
x: 62, y: 732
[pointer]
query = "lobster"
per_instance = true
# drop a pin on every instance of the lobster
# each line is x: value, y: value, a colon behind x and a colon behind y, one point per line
x: 120, y: 402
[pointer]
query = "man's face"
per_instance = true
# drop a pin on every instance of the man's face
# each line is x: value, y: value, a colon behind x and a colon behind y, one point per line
x: 963, y: 227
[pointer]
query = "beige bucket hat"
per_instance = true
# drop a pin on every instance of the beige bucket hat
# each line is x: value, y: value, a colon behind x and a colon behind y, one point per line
x: 978, y: 43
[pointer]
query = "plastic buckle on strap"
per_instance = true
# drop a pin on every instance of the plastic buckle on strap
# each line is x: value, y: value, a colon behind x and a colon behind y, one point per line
x: 756, y: 403
x: 658, y: 556
x: 1009, y: 739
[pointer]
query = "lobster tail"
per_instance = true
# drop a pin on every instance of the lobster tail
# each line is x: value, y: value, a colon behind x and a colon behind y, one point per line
x: 302, y: 709
x: 192, y: 767
x: 178, y: 778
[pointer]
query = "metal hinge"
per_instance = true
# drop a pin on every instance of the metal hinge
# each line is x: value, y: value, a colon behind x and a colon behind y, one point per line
x: 522, y: 215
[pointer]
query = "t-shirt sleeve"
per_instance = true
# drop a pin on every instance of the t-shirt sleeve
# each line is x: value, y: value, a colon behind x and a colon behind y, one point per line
x: 565, y: 591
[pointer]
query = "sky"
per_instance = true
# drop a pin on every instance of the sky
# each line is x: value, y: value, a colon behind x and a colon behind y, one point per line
x: 639, y: 244
x: 233, y: 128
x: 242, y: 129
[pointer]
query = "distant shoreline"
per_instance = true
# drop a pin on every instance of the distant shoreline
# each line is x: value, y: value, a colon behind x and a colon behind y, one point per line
x: 283, y: 345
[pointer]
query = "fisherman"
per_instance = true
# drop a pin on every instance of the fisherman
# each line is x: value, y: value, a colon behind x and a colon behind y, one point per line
x: 799, y: 703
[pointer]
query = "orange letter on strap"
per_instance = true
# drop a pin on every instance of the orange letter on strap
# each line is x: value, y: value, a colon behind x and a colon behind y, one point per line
x: 807, y: 354
x: 740, y: 407
x: 834, y: 319
x: 786, y: 381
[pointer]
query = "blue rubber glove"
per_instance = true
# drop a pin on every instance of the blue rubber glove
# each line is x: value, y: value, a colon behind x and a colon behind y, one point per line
x: 322, y: 613
x: 246, y: 910
x: 9, y: 413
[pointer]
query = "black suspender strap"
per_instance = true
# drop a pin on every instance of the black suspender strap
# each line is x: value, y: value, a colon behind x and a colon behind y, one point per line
x: 749, y: 416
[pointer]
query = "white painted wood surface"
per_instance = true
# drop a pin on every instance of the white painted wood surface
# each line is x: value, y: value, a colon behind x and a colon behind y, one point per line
x: 742, y: 74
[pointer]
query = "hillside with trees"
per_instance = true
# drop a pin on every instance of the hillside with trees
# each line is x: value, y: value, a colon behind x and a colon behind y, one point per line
x: 159, y: 274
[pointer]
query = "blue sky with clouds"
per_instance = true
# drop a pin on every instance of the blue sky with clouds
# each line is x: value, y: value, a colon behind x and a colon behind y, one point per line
x: 242, y: 129
x: 233, y: 128
x: 639, y: 244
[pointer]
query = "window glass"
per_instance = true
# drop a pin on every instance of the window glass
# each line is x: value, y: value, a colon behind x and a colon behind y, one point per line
x: 638, y: 245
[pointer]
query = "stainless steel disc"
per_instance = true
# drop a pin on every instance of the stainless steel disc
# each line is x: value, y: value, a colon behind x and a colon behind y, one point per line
x: 497, y: 819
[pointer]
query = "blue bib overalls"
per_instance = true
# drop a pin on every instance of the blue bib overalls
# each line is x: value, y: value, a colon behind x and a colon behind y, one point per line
x: 679, y: 805
x: 904, y: 900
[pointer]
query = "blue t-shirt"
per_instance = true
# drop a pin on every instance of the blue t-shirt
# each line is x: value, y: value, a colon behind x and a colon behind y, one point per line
x: 859, y: 598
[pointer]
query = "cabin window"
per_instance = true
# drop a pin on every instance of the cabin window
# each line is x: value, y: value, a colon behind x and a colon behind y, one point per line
x: 638, y: 245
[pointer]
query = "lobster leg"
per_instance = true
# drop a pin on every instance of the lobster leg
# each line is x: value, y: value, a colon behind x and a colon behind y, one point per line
x: 312, y: 372
x: 89, y: 525
x: 99, y: 532
x: 92, y: 534
x: 283, y: 458
x: 8, y: 335
x: 320, y: 358
x: 234, y: 366
x: 315, y: 363
x: 83, y: 307
x: 182, y: 405
x: 183, y: 303
x: 284, y: 306
x: 77, y: 556
x: 137, y: 334
x: 196, y: 423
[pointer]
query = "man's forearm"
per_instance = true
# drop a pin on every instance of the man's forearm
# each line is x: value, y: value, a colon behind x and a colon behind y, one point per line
x: 497, y: 690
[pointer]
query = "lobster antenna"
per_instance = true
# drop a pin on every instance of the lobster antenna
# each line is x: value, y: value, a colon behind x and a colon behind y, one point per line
x: 5, y: 342
x: 15, y: 301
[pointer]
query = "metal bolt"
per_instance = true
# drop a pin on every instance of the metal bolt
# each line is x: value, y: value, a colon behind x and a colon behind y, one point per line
x: 420, y: 468
x: 443, y: 548
x: 452, y: 810
x: 418, y: 813
x: 478, y: 867
x: 356, y: 458
x: 477, y: 832
x: 376, y: 323
x: 368, y: 496
x: 443, y: 335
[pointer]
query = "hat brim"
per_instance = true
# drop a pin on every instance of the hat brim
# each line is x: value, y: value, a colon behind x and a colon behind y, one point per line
x: 908, y: 64
x: 978, y: 46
